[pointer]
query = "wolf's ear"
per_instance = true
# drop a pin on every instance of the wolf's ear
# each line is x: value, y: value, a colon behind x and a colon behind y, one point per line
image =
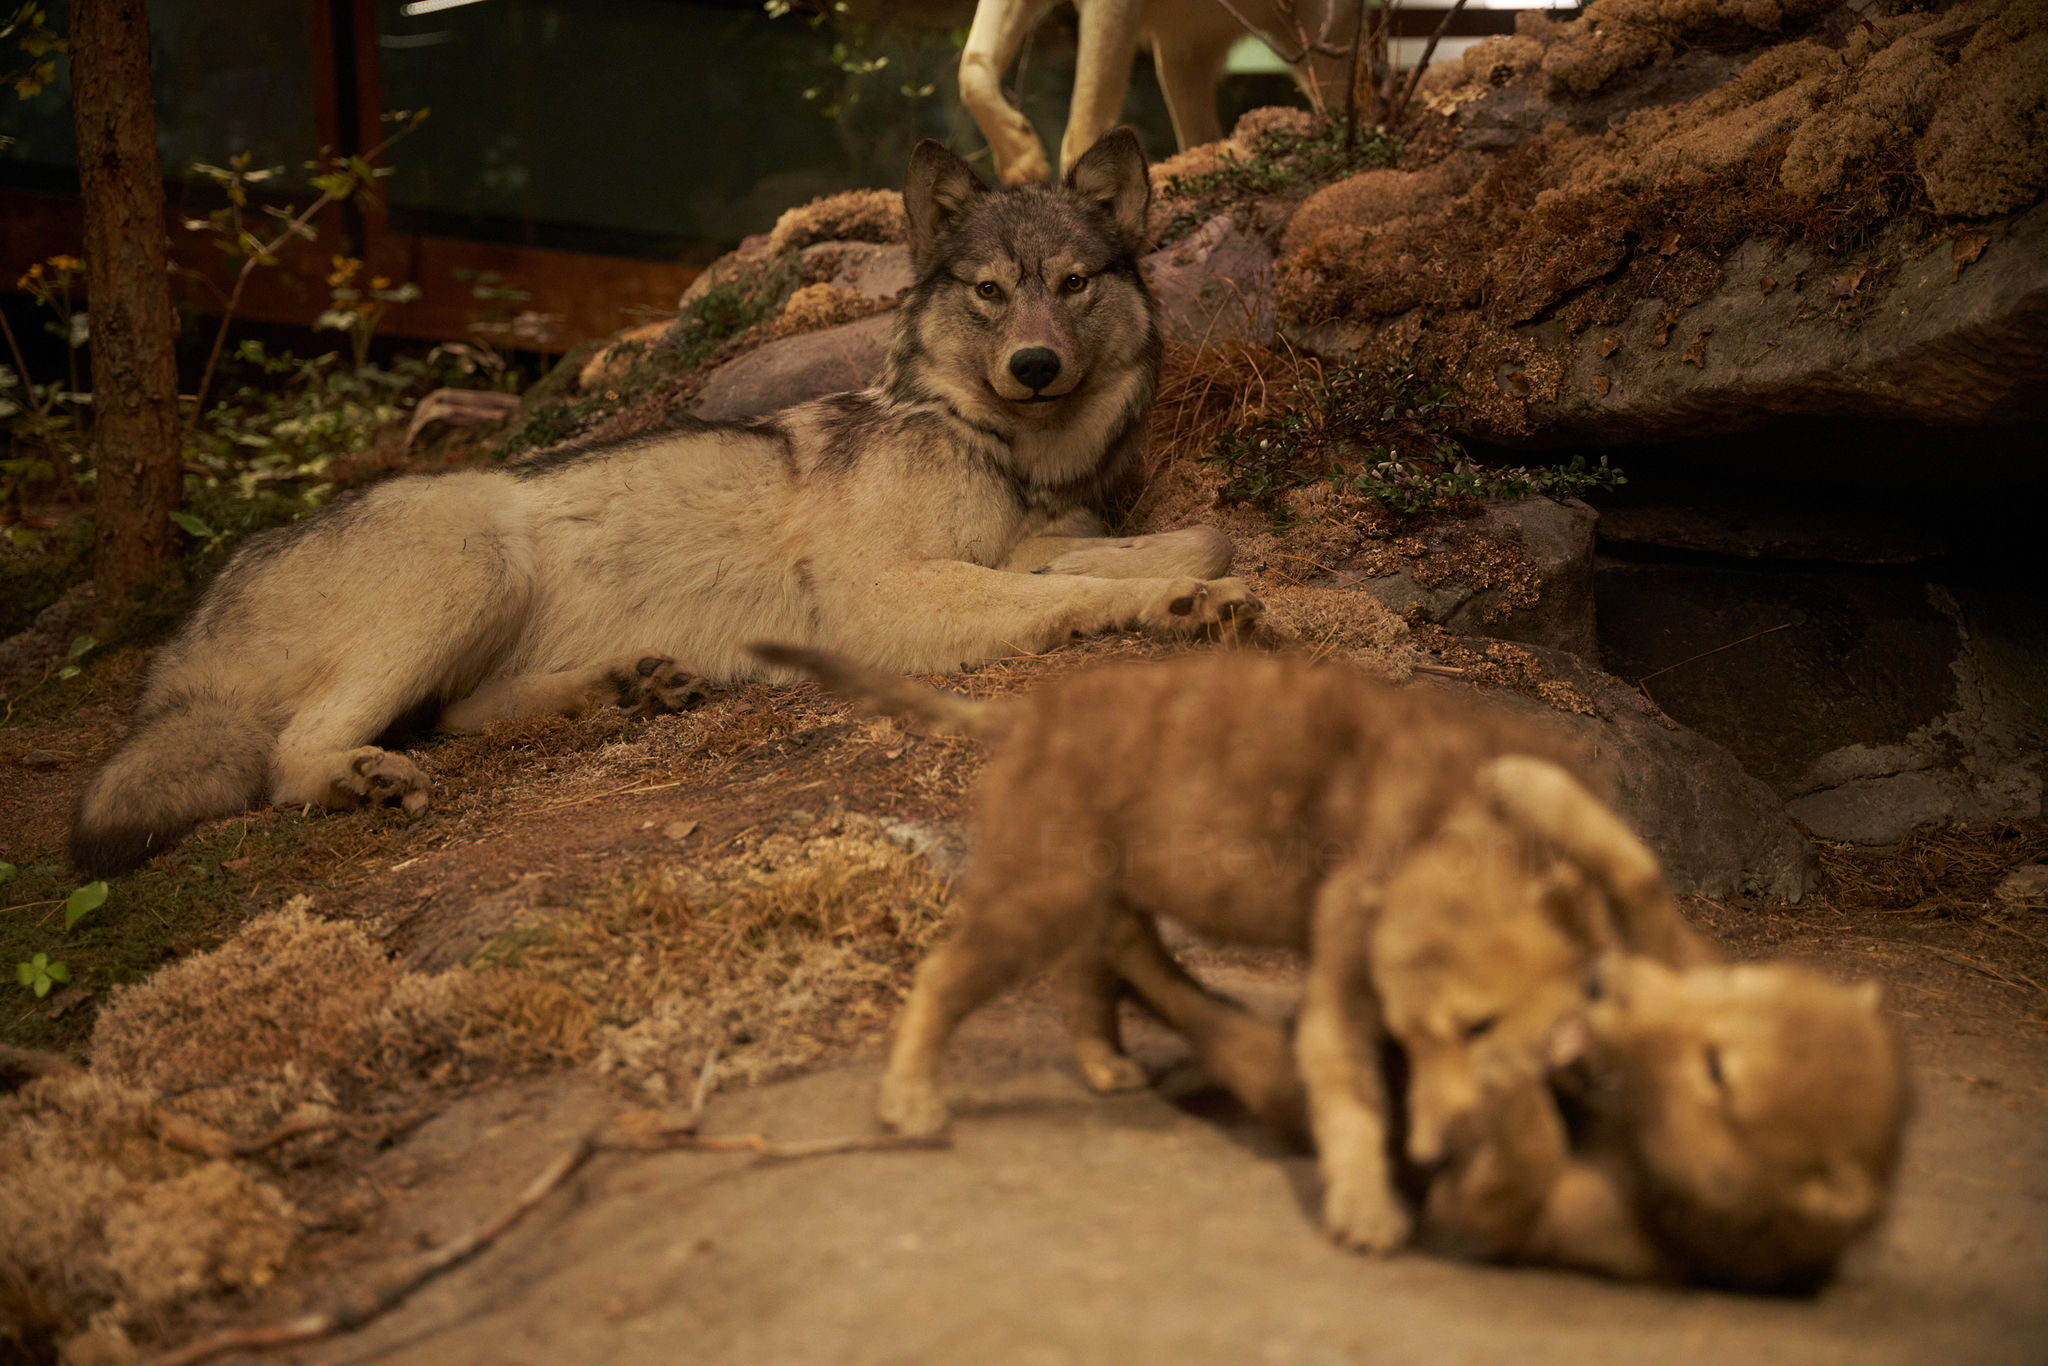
x: 1112, y: 173
x: 938, y: 187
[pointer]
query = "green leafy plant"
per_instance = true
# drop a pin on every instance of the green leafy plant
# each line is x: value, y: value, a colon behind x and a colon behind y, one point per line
x: 39, y: 973
x: 337, y: 178
x: 1381, y: 434
x: 357, y: 309
x: 83, y: 902
x: 80, y: 648
x: 37, y: 47
x: 854, y: 64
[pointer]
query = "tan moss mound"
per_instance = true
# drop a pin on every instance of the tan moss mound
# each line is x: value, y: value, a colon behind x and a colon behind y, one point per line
x: 1585, y: 55
x: 260, y: 1025
x: 854, y: 216
x: 1940, y: 114
x: 105, y: 1219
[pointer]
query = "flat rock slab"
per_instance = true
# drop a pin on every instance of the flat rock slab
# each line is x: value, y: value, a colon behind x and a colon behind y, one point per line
x: 795, y: 370
x: 1788, y: 334
x: 1068, y: 1228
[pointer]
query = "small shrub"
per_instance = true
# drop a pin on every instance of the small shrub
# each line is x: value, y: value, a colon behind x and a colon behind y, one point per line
x: 1380, y: 434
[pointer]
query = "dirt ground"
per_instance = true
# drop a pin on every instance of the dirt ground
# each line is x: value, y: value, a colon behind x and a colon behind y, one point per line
x: 1063, y: 1227
x: 1059, y: 1226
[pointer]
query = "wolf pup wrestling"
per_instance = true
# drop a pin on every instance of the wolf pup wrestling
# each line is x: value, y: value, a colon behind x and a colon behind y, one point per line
x: 950, y: 514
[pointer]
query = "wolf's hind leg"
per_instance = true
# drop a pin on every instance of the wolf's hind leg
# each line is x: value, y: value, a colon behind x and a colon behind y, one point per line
x: 1088, y: 994
x: 647, y: 684
x: 1003, y: 937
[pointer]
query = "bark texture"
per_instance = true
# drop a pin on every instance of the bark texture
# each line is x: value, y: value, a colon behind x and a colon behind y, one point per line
x: 134, y: 371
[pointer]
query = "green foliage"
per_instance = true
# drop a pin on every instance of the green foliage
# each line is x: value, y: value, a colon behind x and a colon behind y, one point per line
x: 855, y: 67
x: 357, y: 309
x: 1280, y: 162
x: 84, y: 902
x: 80, y: 648
x: 727, y: 310
x: 1381, y: 435
x: 36, y: 47
x: 176, y: 906
x: 38, y: 974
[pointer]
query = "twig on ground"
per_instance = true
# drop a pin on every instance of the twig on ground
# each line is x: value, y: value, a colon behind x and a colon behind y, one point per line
x: 2013, y: 979
x: 1753, y: 635
x: 638, y: 1131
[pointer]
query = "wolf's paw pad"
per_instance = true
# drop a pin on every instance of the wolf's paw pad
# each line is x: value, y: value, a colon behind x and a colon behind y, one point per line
x: 1209, y: 609
x: 914, y: 1111
x: 1111, y: 1072
x: 1365, y: 1215
x: 655, y: 685
x: 376, y: 777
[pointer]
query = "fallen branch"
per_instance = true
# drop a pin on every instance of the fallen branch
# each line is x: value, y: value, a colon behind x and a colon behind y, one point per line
x: 635, y: 1132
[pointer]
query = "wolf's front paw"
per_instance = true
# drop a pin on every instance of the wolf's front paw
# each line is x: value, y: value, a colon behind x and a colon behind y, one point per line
x: 1207, y: 608
x: 1107, y: 1070
x: 374, y: 777
x: 1363, y: 1213
x: 911, y: 1108
x: 655, y: 685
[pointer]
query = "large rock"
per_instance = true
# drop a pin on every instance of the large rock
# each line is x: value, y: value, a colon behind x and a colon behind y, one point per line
x: 1941, y: 340
x: 1475, y: 576
x: 796, y: 369
x: 878, y: 271
x: 1872, y: 704
x: 1214, y: 286
x: 1716, y: 829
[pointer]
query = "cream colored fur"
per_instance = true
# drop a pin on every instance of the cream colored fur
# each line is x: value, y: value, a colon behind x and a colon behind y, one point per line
x: 1189, y: 40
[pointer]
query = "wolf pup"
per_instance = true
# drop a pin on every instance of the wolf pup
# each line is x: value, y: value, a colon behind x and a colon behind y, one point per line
x: 950, y: 514
x: 1259, y: 799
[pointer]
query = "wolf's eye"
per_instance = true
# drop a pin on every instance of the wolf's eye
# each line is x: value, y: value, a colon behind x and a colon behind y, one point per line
x: 1075, y: 284
x: 988, y: 289
x: 1479, y: 1029
x: 1714, y: 1066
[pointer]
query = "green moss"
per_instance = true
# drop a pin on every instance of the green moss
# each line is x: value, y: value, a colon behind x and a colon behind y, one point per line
x: 726, y: 311
x: 182, y: 904
x: 1280, y: 162
x: 36, y: 568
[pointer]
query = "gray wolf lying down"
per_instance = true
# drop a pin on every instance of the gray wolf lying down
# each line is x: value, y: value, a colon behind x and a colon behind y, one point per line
x: 951, y: 514
x: 1258, y: 799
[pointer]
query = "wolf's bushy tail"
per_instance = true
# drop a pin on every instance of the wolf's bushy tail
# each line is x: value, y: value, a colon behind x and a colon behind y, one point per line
x: 926, y: 708
x: 197, y: 755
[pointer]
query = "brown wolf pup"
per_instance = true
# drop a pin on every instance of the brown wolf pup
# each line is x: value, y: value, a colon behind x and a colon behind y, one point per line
x: 1649, y: 1113
x: 1260, y: 799
x: 950, y: 514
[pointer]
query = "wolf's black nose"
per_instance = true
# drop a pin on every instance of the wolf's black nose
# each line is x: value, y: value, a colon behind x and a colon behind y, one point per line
x: 1035, y: 366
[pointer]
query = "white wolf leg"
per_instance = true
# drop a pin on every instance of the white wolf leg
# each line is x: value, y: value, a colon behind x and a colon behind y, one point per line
x: 992, y: 44
x: 1189, y: 59
x: 1199, y: 552
x: 1107, y: 41
x: 934, y: 616
x: 648, y: 684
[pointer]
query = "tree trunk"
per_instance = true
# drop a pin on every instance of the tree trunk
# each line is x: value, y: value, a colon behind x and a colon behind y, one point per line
x: 128, y: 292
